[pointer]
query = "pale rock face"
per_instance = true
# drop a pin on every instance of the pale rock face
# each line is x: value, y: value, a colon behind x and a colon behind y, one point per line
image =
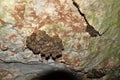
x: 43, y: 7
x: 55, y: 17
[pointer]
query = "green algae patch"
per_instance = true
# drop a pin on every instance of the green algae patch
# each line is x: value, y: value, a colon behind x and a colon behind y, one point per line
x: 106, y: 49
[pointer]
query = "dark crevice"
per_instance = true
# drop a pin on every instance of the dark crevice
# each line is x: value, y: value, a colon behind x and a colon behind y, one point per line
x: 90, y: 29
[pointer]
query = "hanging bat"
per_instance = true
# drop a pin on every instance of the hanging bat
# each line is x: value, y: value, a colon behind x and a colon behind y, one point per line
x: 90, y: 29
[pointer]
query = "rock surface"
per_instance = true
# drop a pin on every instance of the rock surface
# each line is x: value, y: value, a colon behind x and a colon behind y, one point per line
x: 23, y: 71
x: 20, y: 18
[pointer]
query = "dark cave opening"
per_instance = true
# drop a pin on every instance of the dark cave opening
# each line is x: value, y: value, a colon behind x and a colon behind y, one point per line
x: 56, y: 75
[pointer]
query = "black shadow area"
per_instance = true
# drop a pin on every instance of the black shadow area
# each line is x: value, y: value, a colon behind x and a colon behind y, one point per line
x: 56, y: 75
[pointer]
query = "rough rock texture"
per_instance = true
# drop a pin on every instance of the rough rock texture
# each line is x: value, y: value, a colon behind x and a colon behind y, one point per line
x: 55, y: 17
x: 24, y: 71
x: 20, y: 18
